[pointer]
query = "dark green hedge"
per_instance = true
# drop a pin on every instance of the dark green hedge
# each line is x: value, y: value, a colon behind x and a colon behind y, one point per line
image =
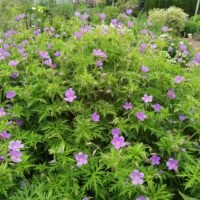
x: 187, y: 5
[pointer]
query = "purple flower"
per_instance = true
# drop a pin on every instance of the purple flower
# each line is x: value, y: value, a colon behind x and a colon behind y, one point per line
x: 99, y: 53
x: 141, y: 116
x: 172, y: 164
x: 95, y: 117
x: 24, y: 54
x: 2, y: 112
x: 14, y: 75
x: 155, y: 160
x: 179, y: 79
x: 49, y: 46
x: 25, y: 42
x: 127, y: 105
x: 19, y: 17
x: 48, y: 62
x: 197, y: 58
x: 2, y: 158
x: 70, y: 95
x: 115, y: 132
x: 36, y: 32
x: 114, y: 21
x: 144, y: 31
x: 85, y: 198
x: 44, y: 55
x: 16, y: 156
x: 99, y: 63
x: 144, y: 69
x: 129, y: 11
x: 19, y: 122
x: 141, y: 198
x: 118, y: 142
x: 78, y: 35
x: 171, y: 94
x: 165, y: 28
x: 85, y: 29
x: 143, y: 47
x: 186, y: 53
x: 77, y: 13
x: 84, y: 17
x: 157, y: 107
x: 183, y: 47
x: 4, y: 54
x: 57, y: 53
x: 10, y: 94
x: 152, y: 35
x: 13, y: 63
x: 81, y: 159
x: 15, y: 145
x: 147, y: 99
x: 130, y: 24
x: 5, y: 135
x: 182, y: 118
x: 53, y: 65
x: 104, y: 31
x: 137, y: 177
x: 102, y: 16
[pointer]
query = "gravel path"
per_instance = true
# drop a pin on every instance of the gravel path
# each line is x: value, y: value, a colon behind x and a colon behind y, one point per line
x: 195, y: 44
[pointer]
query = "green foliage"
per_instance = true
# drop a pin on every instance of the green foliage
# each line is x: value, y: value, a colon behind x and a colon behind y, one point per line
x: 191, y: 27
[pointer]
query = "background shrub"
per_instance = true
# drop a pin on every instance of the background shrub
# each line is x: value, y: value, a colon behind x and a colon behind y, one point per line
x: 187, y: 6
x: 173, y: 17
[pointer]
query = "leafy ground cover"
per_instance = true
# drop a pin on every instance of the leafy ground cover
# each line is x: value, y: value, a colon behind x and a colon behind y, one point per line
x: 105, y: 110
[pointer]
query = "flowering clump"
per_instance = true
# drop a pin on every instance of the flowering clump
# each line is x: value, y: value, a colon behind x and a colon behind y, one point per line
x: 64, y: 88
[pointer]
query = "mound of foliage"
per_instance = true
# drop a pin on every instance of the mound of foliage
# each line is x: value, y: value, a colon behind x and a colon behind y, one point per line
x: 188, y: 6
x: 173, y: 17
x: 98, y: 112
